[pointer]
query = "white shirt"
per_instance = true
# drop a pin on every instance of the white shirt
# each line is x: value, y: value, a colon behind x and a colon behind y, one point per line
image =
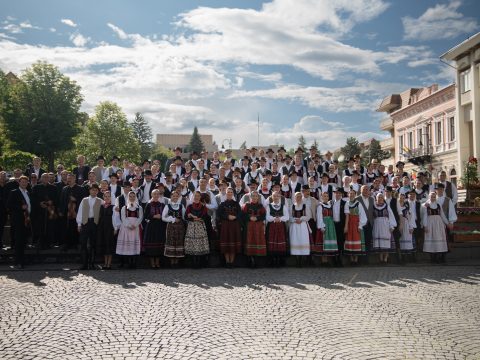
x: 366, y: 201
x: 91, y: 202
x: 336, y: 210
x: 27, y: 199
x: 146, y: 191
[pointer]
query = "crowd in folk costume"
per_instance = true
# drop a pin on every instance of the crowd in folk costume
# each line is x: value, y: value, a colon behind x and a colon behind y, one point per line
x: 263, y: 205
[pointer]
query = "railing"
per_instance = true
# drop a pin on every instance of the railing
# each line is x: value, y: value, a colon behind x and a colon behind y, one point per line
x: 386, y: 124
x: 387, y: 144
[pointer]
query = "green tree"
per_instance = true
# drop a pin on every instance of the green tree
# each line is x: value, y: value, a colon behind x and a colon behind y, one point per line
x: 315, y: 143
x: 163, y: 154
x: 244, y: 145
x: 195, y: 143
x: 143, y: 133
x: 42, y: 115
x: 108, y: 133
x: 375, y: 151
x: 351, y: 148
x: 302, y: 142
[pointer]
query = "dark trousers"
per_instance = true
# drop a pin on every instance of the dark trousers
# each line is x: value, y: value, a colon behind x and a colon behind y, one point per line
x: 3, y: 220
x: 21, y: 234
x: 367, y: 233
x: 71, y: 234
x: 88, y: 243
x: 339, y: 226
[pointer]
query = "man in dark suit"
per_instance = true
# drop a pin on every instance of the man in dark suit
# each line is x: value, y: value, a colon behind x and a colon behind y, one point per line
x: 339, y: 219
x: 35, y: 168
x: 367, y: 202
x: 19, y: 206
x: 44, y: 203
x: 81, y: 171
x: 146, y: 188
x: 392, y: 203
x: 70, y: 199
x: 178, y: 153
x: 3, y: 204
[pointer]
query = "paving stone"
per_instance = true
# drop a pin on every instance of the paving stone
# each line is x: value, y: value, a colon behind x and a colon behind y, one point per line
x: 425, y: 312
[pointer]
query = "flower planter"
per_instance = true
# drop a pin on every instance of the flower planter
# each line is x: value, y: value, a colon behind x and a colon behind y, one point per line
x: 467, y: 227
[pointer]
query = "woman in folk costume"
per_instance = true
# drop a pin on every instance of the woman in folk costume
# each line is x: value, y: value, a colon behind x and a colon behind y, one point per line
x: 130, y: 219
x: 154, y: 235
x: 286, y: 190
x: 229, y: 213
x: 299, y: 231
x: 355, y: 221
x: 406, y: 225
x: 434, y: 222
x: 173, y: 214
x: 325, y: 243
x: 184, y: 191
x: 196, y: 238
x: 254, y: 214
x: 106, y: 231
x: 276, y: 234
x: 383, y: 225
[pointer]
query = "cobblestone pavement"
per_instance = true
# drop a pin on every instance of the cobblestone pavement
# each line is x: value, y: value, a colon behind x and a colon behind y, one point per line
x: 429, y: 312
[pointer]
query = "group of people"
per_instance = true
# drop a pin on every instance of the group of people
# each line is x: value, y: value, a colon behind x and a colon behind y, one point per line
x: 264, y: 205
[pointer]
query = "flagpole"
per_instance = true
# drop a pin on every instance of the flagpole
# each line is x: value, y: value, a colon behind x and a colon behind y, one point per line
x: 258, y: 129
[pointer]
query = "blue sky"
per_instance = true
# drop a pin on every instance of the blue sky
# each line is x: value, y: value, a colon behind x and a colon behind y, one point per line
x: 316, y: 68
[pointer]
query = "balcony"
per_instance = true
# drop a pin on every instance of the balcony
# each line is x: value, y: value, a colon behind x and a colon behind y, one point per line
x: 386, y: 125
x: 420, y: 155
x: 387, y: 144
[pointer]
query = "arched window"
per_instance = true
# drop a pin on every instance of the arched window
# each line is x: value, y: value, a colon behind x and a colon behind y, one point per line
x: 453, y: 176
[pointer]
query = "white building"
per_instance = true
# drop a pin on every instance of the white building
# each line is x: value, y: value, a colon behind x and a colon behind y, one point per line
x: 466, y: 60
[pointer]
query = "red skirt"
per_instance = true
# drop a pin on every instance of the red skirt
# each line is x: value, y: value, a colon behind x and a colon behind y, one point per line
x: 316, y: 243
x: 230, y: 237
x: 255, y: 244
x: 353, y: 241
x: 277, y: 238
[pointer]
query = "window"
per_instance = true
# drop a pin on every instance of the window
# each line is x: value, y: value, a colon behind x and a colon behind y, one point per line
x: 438, y: 133
x: 400, y: 144
x: 465, y: 81
x: 419, y: 137
x: 451, y: 127
x: 453, y: 176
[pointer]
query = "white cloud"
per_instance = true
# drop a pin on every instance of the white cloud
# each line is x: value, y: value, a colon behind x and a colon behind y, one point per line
x: 52, y: 29
x: 13, y: 28
x: 120, y: 33
x: 361, y: 96
x: 442, y: 21
x: 79, y: 40
x: 68, y: 22
x: 298, y: 33
x: 179, y: 81
x: 27, y: 25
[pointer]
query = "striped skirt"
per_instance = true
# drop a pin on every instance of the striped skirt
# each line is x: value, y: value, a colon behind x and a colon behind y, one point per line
x: 175, y: 243
x: 255, y: 244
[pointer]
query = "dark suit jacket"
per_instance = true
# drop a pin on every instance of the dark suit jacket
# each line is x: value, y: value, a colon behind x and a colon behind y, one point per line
x: 118, y: 191
x: 83, y: 173
x: 41, y: 193
x: 152, y: 187
x: 29, y: 171
x: 368, y: 212
x: 76, y: 191
x: 15, y: 203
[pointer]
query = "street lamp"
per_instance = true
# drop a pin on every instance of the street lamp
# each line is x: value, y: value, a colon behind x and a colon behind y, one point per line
x: 229, y: 143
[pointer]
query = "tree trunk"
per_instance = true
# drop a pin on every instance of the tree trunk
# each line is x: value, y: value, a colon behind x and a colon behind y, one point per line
x: 51, y: 160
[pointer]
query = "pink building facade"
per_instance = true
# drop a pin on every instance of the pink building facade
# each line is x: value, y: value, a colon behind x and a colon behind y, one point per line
x: 422, y: 122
